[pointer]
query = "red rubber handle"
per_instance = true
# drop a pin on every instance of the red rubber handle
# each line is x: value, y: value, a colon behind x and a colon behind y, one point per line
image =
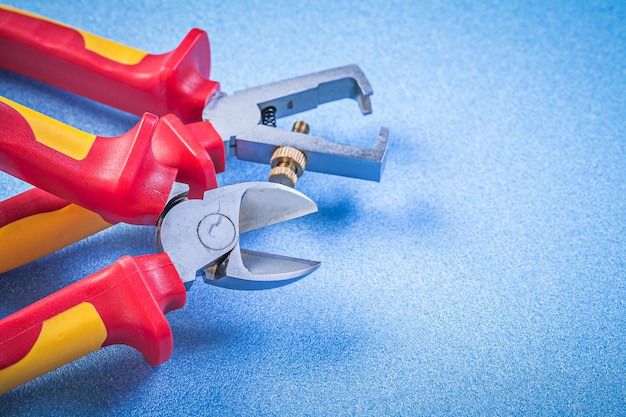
x: 121, y: 304
x: 122, y: 77
x: 27, y: 204
x: 126, y: 178
x: 35, y: 223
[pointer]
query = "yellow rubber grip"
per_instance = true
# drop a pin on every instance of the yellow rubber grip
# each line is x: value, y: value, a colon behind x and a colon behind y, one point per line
x: 112, y: 50
x: 65, y: 337
x: 54, y: 134
x: 33, y: 237
x: 107, y: 48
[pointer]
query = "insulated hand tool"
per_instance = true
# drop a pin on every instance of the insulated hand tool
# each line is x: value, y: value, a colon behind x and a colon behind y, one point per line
x: 129, y: 176
x: 125, y: 303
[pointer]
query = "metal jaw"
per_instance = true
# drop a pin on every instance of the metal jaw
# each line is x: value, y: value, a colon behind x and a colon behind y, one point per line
x: 238, y: 118
x: 201, y: 237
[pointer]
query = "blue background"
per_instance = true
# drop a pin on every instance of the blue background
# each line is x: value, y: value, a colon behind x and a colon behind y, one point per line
x: 484, y: 275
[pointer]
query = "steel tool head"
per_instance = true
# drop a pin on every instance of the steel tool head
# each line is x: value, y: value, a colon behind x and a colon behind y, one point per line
x: 202, y: 236
x: 238, y: 119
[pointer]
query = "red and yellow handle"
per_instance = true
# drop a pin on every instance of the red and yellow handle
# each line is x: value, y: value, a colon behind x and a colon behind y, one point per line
x: 121, y: 304
x: 35, y: 223
x: 114, y: 74
x: 126, y: 178
x: 112, y: 177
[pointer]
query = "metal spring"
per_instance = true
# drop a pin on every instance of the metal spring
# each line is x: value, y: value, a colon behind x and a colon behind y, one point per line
x: 268, y: 116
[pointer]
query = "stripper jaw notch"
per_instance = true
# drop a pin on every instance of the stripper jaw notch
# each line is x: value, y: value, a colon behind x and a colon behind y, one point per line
x: 239, y: 120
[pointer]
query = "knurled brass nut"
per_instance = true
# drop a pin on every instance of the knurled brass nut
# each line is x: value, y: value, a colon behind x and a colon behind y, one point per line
x: 283, y: 175
x: 289, y: 157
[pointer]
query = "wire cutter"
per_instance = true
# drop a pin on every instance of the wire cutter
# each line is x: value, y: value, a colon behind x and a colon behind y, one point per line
x: 188, y: 128
x: 125, y: 303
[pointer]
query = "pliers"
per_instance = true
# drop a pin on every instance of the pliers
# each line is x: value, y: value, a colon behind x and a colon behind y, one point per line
x: 188, y: 132
x: 125, y: 302
x: 188, y: 128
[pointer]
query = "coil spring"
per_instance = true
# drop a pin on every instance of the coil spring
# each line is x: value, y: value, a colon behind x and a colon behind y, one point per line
x: 268, y: 116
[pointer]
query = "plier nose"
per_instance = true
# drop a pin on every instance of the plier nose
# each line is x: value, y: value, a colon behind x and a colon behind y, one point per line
x: 241, y: 120
x: 201, y: 237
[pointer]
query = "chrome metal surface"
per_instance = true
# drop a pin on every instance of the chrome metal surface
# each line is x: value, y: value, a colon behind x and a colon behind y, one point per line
x: 238, y: 119
x: 202, y: 236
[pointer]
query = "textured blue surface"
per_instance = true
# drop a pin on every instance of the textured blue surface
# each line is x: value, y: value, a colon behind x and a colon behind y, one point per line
x: 484, y: 275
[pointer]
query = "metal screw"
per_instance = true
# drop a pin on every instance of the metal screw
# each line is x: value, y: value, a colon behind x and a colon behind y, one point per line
x: 288, y: 164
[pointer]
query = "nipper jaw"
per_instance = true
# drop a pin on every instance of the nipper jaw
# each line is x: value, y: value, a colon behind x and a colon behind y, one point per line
x: 201, y: 237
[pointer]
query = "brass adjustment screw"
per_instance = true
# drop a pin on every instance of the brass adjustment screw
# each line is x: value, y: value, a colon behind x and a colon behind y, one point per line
x: 288, y: 164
